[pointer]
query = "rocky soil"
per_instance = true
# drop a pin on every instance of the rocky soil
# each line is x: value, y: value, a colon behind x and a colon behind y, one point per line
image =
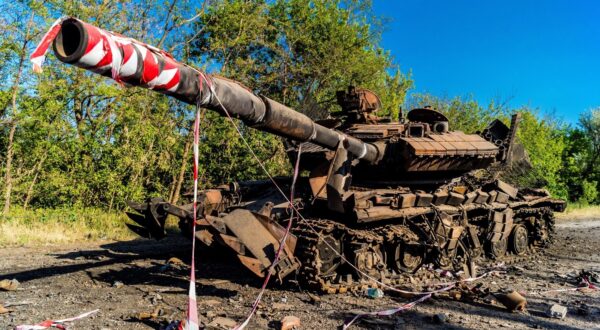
x: 135, y: 287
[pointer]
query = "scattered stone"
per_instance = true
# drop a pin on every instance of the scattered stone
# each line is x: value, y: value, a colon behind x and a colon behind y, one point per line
x: 175, y: 325
x: 384, y: 323
x: 583, y: 310
x: 118, y: 284
x: 282, y: 306
x: 440, y: 318
x: 587, y: 289
x: 3, y: 310
x: 146, y: 316
x: 155, y: 298
x: 314, y: 299
x: 9, y: 285
x: 518, y: 269
x: 20, y: 303
x: 557, y: 311
x: 175, y: 261
x: 210, y: 302
x: 562, y: 276
x: 222, y: 323
x: 290, y: 322
x: 212, y: 282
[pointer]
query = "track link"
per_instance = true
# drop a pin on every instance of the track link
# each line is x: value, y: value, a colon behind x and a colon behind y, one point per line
x: 340, y: 277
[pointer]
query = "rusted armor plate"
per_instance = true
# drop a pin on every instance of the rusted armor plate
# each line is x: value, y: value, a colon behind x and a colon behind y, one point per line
x: 450, y: 143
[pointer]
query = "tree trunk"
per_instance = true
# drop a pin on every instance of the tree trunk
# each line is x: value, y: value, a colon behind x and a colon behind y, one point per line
x: 8, y: 180
x: 38, y: 169
x: 8, y: 175
x: 182, y: 169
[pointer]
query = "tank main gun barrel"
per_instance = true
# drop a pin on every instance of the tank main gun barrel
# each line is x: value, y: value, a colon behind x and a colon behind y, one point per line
x: 132, y: 62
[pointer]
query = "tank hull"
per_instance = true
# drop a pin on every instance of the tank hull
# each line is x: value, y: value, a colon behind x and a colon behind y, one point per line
x: 386, y: 241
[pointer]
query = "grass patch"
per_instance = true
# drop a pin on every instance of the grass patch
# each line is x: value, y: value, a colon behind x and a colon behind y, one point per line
x: 53, y: 226
x: 69, y: 225
x: 576, y: 211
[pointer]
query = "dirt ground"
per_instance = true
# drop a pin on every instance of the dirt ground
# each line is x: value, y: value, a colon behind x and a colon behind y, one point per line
x: 123, y: 279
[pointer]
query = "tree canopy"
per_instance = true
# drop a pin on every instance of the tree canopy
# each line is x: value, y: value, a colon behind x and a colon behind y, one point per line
x: 71, y: 138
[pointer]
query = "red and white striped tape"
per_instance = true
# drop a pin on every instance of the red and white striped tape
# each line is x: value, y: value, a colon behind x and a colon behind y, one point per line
x: 279, y: 250
x: 58, y: 324
x: 293, y: 208
x: 583, y: 285
x: 192, y: 323
x: 39, y: 54
x: 127, y: 59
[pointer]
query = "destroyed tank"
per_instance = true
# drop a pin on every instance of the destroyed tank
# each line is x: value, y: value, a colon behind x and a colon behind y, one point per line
x: 381, y: 198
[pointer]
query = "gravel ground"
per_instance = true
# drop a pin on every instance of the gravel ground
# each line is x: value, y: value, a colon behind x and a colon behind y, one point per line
x: 124, y: 279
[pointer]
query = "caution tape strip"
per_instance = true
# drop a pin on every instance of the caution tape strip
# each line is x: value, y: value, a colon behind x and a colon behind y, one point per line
x: 58, y: 324
x: 191, y: 322
x: 293, y: 209
x: 585, y: 284
x: 278, y: 254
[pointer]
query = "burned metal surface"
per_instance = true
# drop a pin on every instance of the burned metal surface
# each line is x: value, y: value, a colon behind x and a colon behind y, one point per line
x: 382, y: 198
x: 430, y: 209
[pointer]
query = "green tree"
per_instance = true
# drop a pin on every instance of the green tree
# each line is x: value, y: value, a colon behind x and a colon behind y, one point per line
x: 298, y: 52
x: 543, y: 138
x: 463, y: 113
x: 79, y: 139
x: 580, y: 168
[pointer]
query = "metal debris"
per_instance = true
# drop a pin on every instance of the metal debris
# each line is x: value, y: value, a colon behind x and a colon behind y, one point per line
x: 557, y: 311
x: 513, y: 300
x: 290, y: 322
x: 373, y: 293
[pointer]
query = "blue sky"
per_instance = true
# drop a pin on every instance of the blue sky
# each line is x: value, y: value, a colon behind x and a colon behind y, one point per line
x: 545, y: 54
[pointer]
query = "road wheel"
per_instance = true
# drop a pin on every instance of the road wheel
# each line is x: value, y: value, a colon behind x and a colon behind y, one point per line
x: 519, y: 240
x: 407, y: 257
x: 497, y: 250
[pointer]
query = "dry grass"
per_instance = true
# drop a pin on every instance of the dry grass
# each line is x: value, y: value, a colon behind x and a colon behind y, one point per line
x: 577, y: 212
x: 54, y: 226
x: 59, y: 226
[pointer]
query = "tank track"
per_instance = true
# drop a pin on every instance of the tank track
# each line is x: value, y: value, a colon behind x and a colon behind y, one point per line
x: 339, y: 277
x: 309, y: 250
